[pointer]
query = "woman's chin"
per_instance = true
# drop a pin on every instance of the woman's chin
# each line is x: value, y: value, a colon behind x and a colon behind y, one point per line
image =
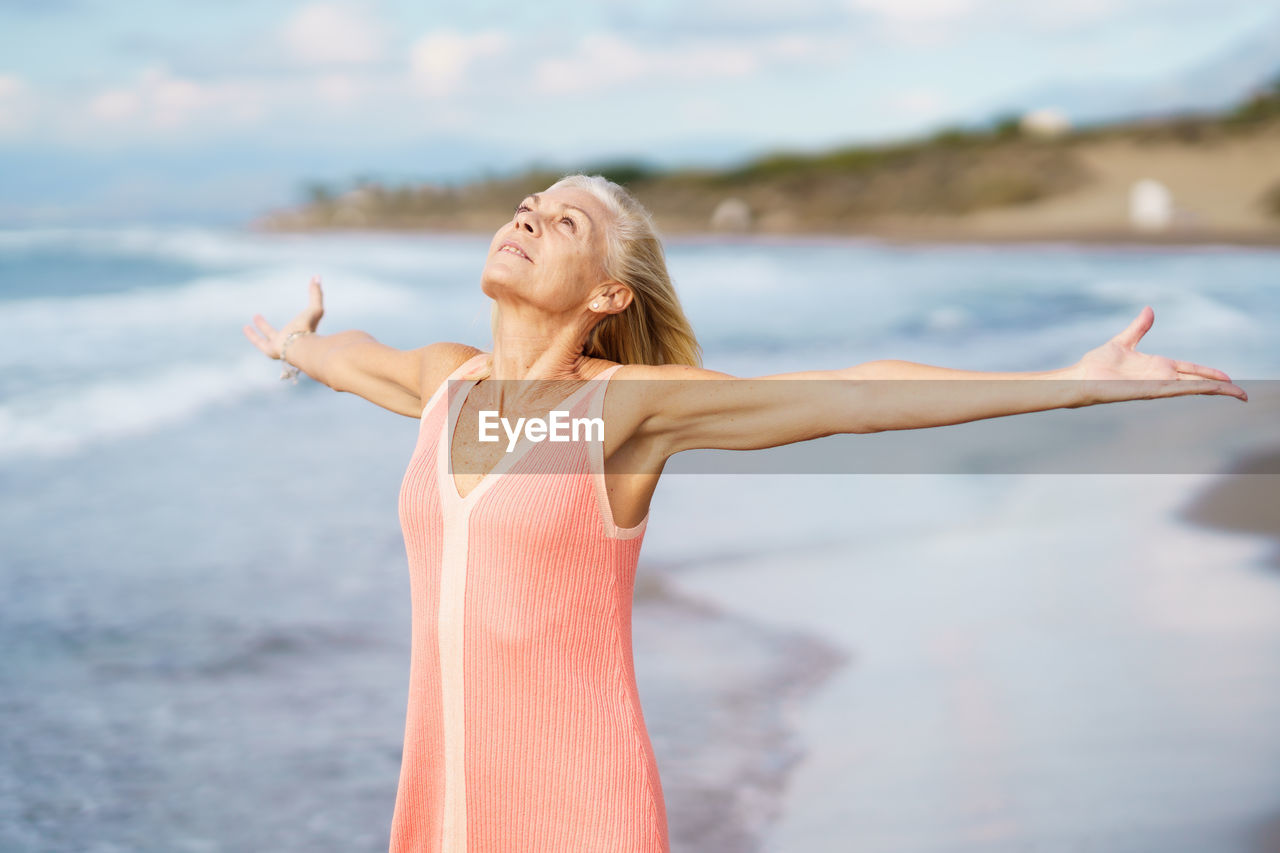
x: 494, y: 282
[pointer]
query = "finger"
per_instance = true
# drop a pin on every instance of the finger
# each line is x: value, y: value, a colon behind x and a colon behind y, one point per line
x: 255, y: 338
x: 317, y: 297
x: 1200, y: 370
x: 1227, y: 387
x: 261, y: 323
x: 252, y: 334
x: 1182, y: 386
x: 1135, y: 330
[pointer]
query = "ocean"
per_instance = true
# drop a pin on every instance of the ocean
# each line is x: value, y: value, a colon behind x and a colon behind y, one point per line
x: 205, y: 610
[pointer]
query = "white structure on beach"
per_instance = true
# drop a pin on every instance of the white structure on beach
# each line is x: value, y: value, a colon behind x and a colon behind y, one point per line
x: 1046, y: 122
x: 1150, y: 205
x: 732, y: 214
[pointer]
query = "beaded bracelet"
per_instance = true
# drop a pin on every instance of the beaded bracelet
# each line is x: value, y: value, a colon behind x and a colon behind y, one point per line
x: 288, y: 371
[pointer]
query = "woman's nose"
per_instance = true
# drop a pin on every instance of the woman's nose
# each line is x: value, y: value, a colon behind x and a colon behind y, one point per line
x: 527, y: 220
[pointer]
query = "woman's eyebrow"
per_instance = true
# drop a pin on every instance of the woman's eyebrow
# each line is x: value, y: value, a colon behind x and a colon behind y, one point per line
x: 538, y: 200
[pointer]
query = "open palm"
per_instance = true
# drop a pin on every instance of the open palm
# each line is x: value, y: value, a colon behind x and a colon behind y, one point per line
x: 1117, y: 371
x: 270, y: 339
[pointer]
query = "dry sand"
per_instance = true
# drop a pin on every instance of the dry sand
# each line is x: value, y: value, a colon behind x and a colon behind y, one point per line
x: 1217, y: 188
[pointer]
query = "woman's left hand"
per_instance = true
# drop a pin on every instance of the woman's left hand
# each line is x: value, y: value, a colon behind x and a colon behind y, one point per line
x: 1116, y: 371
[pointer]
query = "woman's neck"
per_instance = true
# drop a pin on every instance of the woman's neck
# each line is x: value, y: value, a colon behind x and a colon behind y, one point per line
x: 528, y: 349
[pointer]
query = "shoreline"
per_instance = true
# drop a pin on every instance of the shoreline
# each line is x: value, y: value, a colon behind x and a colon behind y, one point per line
x: 1220, y: 186
x: 718, y: 711
x: 884, y: 235
x: 1244, y: 500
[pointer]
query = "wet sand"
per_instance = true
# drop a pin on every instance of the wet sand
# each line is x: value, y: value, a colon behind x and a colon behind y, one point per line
x: 1079, y: 668
x: 716, y: 688
x: 1245, y: 500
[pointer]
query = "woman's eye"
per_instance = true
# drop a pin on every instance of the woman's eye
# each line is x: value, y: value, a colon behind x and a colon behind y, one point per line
x: 521, y: 207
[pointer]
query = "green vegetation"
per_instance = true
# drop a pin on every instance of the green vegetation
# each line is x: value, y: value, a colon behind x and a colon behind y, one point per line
x: 318, y: 193
x: 1007, y: 126
x: 624, y: 172
x: 1263, y: 106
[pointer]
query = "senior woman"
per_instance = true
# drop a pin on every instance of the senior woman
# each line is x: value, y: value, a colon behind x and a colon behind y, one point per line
x: 524, y: 730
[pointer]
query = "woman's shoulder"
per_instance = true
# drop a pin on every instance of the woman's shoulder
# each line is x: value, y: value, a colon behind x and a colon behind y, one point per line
x: 667, y: 372
x: 654, y: 383
x: 440, y: 360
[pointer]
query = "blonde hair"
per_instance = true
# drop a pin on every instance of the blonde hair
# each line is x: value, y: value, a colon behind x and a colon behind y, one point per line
x: 653, y: 329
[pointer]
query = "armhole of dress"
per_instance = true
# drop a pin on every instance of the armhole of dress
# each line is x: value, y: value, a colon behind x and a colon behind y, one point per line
x: 595, y: 461
x: 457, y: 373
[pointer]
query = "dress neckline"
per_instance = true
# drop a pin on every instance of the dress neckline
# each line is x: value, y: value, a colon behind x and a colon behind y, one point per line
x: 508, y: 459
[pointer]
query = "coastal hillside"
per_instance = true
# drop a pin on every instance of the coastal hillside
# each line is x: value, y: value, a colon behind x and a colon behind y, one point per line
x: 1192, y: 178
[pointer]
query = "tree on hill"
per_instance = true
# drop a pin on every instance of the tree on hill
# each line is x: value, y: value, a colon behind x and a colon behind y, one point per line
x: 1264, y: 104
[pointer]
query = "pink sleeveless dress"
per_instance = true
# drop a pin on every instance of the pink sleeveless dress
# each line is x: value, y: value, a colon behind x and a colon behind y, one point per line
x: 524, y: 730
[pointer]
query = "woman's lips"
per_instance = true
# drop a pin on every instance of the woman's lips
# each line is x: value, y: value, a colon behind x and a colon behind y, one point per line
x: 514, y: 249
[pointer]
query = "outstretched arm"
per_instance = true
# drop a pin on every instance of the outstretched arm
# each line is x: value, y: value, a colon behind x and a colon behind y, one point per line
x: 355, y: 362
x: 751, y: 414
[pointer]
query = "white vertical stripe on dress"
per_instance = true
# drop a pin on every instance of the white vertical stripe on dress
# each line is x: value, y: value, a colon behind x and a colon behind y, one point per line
x: 450, y: 635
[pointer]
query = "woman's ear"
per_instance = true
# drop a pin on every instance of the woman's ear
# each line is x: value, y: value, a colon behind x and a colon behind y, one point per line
x: 615, y: 298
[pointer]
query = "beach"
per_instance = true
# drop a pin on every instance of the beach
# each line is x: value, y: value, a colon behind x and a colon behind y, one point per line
x: 208, y: 589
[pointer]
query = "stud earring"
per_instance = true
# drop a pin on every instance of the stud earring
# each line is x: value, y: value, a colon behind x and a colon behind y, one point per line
x: 594, y: 304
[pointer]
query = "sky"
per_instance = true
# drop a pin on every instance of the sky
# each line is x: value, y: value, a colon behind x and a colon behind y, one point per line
x: 203, y: 108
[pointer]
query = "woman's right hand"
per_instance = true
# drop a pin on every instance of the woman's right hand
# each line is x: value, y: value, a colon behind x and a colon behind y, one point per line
x: 270, y: 340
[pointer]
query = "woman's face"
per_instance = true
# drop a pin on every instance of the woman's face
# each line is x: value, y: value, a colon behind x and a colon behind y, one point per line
x: 551, y: 253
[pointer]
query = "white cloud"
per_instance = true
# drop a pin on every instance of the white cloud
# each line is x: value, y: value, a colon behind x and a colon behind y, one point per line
x: 1057, y: 17
x: 932, y: 21
x: 338, y: 88
x: 14, y: 104
x: 916, y: 104
x: 10, y: 86
x: 605, y: 59
x: 909, y: 11
x: 441, y: 59
x: 161, y: 100
x: 115, y: 105
x: 333, y: 34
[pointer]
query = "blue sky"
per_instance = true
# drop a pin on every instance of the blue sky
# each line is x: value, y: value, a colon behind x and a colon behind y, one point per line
x: 239, y: 101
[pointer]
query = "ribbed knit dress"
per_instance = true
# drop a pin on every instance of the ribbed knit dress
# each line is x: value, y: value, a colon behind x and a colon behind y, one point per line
x: 524, y: 730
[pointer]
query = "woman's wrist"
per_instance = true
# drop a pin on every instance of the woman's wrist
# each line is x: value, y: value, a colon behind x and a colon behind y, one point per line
x: 289, y: 339
x: 289, y: 370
